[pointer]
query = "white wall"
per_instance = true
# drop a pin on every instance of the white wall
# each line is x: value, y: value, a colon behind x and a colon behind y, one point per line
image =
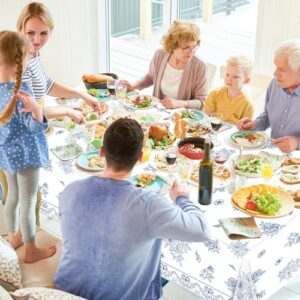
x: 278, y: 20
x: 72, y: 49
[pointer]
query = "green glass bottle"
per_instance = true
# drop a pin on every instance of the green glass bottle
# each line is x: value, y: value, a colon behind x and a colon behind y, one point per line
x: 205, y: 176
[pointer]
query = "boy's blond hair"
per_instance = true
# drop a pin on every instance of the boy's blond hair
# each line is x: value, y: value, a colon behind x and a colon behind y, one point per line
x: 242, y: 61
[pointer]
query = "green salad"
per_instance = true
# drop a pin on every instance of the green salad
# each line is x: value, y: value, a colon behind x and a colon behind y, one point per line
x: 250, y: 166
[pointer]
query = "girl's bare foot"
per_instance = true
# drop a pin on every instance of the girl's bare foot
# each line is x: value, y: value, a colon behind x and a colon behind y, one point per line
x: 34, y: 254
x: 15, y: 239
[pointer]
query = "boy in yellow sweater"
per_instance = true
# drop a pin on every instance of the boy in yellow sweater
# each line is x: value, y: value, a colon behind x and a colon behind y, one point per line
x: 230, y: 99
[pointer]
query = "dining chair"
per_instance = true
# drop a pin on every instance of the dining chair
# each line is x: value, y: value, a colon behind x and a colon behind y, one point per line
x: 212, y: 70
x: 256, y: 88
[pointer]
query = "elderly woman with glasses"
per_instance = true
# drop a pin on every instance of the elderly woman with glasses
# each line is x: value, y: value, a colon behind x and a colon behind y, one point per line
x: 178, y: 77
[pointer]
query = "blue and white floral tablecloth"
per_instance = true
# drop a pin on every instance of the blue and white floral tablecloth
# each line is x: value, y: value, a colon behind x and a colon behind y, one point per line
x: 220, y: 268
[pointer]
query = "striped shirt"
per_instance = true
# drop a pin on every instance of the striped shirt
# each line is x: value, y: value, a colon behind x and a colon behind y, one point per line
x: 36, y: 78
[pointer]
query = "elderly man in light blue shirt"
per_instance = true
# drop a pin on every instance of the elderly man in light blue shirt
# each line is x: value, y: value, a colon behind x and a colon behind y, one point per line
x: 282, y: 105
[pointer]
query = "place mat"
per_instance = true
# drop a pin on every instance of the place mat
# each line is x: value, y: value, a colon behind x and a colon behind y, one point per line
x: 240, y: 228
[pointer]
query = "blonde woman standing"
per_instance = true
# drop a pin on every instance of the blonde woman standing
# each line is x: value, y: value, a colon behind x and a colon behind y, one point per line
x: 36, y: 23
x: 23, y: 146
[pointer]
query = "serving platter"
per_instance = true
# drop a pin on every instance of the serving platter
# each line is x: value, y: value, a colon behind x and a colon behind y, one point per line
x: 101, y: 94
x: 240, y: 197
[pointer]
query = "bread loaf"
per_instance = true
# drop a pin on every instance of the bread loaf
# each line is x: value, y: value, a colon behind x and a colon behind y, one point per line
x: 95, y: 78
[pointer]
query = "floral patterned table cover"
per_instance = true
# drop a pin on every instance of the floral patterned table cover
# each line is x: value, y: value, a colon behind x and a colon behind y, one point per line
x: 220, y: 268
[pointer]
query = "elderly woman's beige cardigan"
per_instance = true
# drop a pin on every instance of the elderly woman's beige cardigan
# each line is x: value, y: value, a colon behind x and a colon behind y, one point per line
x: 193, y: 85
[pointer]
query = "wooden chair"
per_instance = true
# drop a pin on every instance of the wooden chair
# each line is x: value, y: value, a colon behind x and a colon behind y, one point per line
x: 256, y: 88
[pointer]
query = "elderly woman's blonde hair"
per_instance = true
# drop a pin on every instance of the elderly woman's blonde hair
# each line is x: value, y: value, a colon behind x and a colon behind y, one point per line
x: 243, y: 62
x: 180, y: 31
x: 34, y: 10
x: 290, y: 49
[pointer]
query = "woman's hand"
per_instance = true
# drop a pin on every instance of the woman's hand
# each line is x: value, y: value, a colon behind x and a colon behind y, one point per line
x: 245, y: 124
x: 130, y: 87
x: 92, y: 102
x: 30, y: 105
x: 75, y: 115
x: 172, y: 103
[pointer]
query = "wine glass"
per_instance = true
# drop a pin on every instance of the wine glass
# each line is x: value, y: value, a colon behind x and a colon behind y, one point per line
x: 111, y: 86
x: 216, y: 121
x: 170, y: 156
x: 267, y: 171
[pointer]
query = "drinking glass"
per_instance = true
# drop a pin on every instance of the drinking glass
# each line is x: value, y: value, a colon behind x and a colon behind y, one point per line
x: 171, y: 156
x: 267, y: 172
x: 121, y: 90
x: 184, y: 171
x: 216, y: 121
x: 111, y: 86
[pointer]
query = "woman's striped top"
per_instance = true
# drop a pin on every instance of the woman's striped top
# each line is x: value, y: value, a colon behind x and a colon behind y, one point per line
x: 36, y: 78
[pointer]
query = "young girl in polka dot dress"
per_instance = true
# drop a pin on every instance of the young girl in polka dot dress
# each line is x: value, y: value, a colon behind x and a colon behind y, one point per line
x: 23, y: 146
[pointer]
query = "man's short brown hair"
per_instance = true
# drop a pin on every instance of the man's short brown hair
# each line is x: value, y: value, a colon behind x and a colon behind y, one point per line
x: 123, y: 142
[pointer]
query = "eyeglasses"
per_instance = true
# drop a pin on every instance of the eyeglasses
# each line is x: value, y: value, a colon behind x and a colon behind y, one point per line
x: 188, y: 48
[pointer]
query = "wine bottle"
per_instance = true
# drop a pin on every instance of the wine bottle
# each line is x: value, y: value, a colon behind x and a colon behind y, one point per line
x: 205, y: 176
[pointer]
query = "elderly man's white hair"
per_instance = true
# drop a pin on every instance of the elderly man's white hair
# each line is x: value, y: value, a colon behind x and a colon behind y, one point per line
x: 290, y: 49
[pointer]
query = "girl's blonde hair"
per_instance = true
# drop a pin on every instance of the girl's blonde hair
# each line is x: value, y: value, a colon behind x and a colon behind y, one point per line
x: 14, y: 48
x: 180, y: 31
x: 243, y: 62
x: 34, y: 10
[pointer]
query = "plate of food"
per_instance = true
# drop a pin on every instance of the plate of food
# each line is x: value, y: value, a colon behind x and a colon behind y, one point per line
x: 91, y: 161
x: 102, y: 95
x: 140, y: 101
x: 150, y: 182
x: 192, y: 115
x: 248, y: 165
x: 263, y: 201
x: 197, y: 128
x: 160, y: 137
x: 140, y: 116
x: 249, y: 139
x: 296, y: 196
x: 91, y: 115
x: 160, y: 163
x: 221, y: 175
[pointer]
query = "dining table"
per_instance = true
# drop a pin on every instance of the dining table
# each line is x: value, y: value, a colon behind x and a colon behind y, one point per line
x: 220, y: 268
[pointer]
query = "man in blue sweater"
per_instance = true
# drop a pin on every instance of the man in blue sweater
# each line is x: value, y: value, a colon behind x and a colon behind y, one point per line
x: 112, y: 230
